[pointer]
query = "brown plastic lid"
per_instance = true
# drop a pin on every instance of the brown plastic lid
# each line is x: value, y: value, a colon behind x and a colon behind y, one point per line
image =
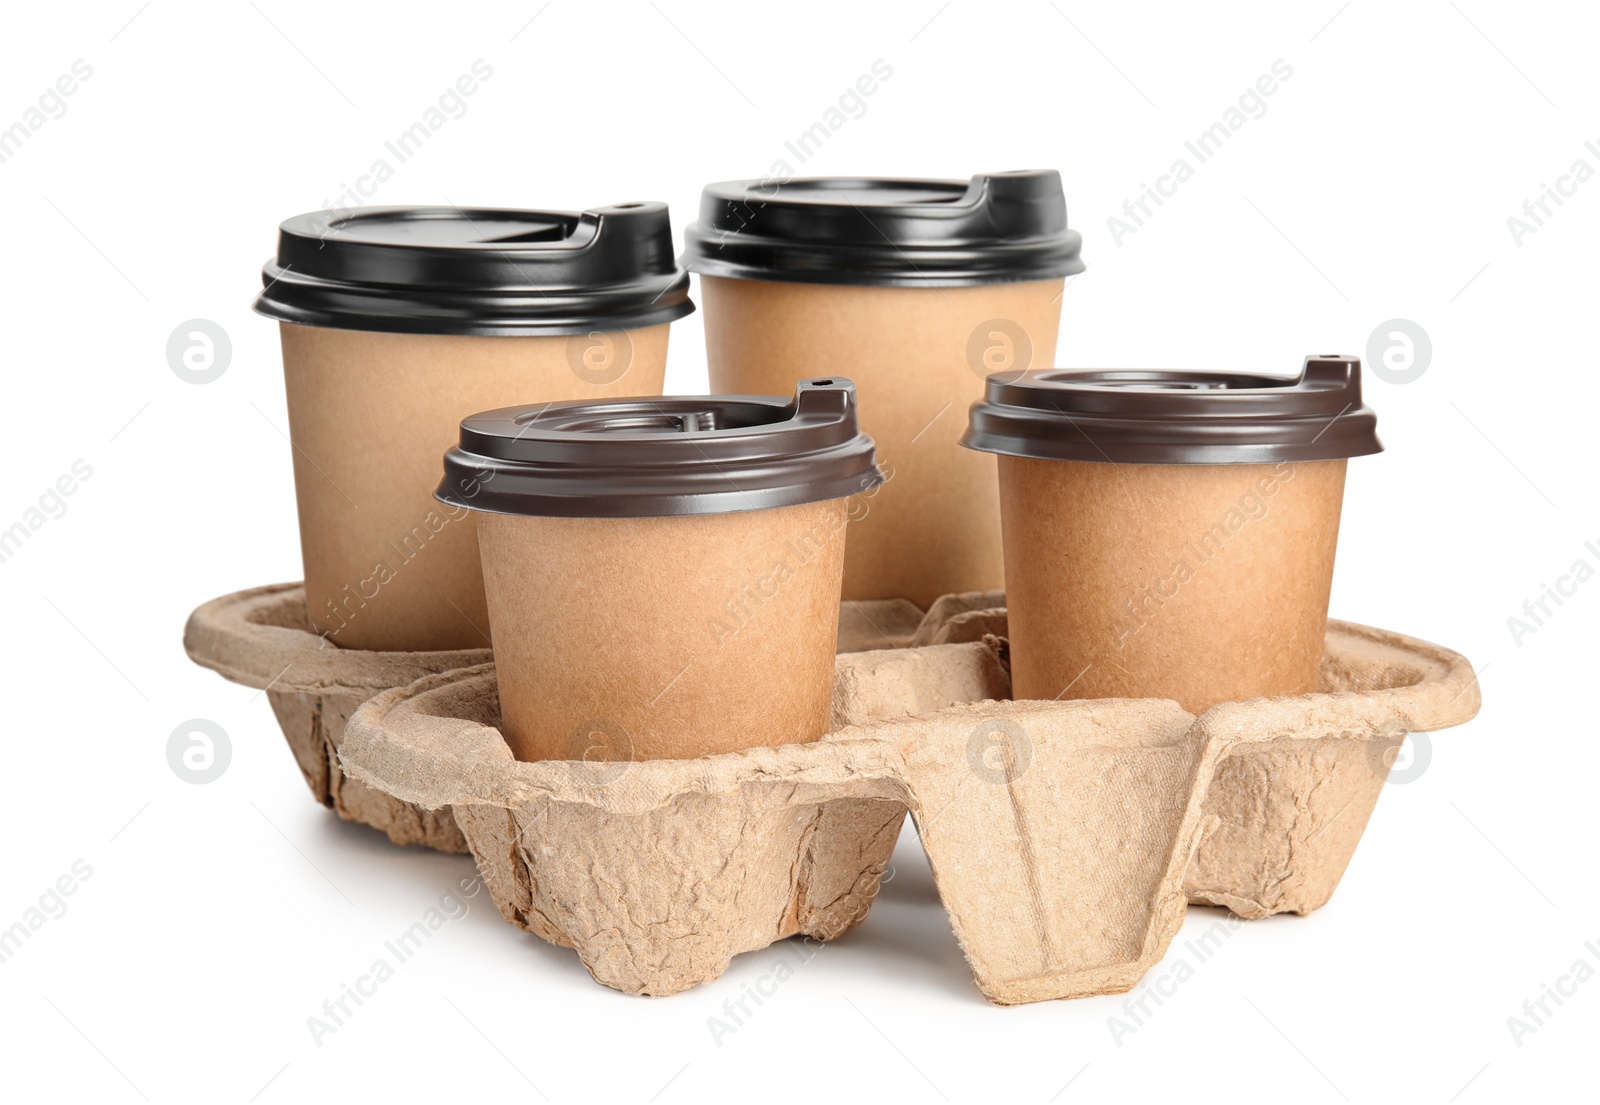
x: 1177, y: 416
x: 647, y: 458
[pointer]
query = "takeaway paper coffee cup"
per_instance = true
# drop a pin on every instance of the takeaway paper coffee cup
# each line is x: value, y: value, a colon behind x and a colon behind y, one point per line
x: 663, y: 575
x: 915, y: 289
x: 1171, y: 534
x: 397, y: 322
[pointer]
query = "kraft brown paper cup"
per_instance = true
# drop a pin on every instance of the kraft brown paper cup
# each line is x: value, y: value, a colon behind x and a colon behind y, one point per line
x: 916, y: 290
x: 1198, y: 583
x: 398, y: 321
x: 663, y: 574
x: 934, y: 528
x: 1171, y: 534
x: 370, y: 414
x: 664, y: 638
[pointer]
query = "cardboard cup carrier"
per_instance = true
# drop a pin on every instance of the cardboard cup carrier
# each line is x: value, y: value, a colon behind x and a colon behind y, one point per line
x: 663, y: 575
x: 916, y: 290
x: 1065, y: 837
x: 1171, y: 534
x: 396, y: 323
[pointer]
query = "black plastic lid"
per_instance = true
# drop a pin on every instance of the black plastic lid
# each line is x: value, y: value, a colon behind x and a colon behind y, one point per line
x: 1177, y: 416
x: 647, y: 458
x: 488, y: 271
x: 1000, y: 228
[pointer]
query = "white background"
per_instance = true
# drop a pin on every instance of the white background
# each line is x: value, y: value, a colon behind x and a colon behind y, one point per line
x: 1377, y: 185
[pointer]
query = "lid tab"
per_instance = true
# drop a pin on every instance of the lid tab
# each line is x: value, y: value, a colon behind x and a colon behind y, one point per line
x: 476, y: 271
x: 646, y: 458
x: 1177, y: 416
